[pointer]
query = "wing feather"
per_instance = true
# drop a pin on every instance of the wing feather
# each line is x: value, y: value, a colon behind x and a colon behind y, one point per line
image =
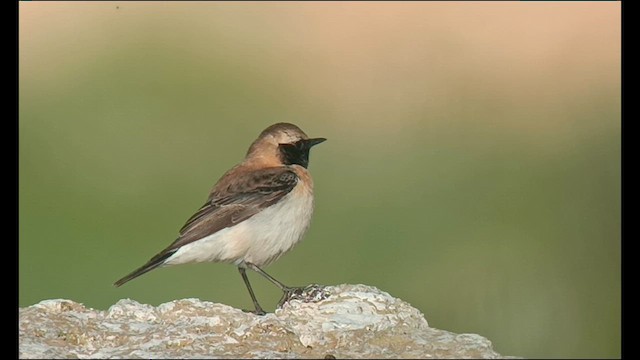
x: 245, y: 196
x: 237, y: 196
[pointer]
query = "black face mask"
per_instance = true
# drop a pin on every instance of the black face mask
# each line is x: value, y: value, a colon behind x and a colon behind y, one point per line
x: 298, y: 152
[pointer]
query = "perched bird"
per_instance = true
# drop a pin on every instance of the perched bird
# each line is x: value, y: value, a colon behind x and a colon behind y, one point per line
x: 256, y: 212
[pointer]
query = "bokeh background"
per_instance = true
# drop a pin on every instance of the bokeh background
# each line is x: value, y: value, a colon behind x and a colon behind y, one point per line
x: 472, y: 168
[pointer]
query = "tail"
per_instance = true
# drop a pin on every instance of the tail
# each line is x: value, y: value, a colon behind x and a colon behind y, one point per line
x: 150, y: 265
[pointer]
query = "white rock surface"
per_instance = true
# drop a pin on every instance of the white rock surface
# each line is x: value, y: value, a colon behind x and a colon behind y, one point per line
x: 345, y: 321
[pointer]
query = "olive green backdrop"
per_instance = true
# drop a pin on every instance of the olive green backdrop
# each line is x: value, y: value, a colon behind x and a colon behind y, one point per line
x: 472, y: 167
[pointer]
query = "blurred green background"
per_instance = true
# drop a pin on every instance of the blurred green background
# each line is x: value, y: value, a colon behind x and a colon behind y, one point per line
x: 472, y: 168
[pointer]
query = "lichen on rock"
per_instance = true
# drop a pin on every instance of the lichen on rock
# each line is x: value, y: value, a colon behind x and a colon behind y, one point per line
x: 344, y: 321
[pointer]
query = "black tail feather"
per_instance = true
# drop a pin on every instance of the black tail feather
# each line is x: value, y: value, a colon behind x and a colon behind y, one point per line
x: 150, y: 265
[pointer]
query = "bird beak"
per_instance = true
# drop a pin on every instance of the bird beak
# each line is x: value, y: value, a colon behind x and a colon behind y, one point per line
x: 312, y: 142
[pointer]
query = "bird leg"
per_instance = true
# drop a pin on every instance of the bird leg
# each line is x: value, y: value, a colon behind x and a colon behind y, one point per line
x: 258, y: 310
x: 275, y: 282
x: 288, y: 291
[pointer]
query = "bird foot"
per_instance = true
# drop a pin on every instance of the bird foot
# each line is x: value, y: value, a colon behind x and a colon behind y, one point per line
x: 309, y: 293
x: 258, y: 312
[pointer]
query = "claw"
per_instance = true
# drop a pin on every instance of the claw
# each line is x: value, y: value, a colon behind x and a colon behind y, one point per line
x: 258, y: 312
x: 309, y: 293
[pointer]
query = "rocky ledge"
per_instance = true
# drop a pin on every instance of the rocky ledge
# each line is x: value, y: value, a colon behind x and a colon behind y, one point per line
x: 344, y: 321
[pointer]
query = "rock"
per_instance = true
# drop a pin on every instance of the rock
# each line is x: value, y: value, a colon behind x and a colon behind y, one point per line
x: 345, y: 321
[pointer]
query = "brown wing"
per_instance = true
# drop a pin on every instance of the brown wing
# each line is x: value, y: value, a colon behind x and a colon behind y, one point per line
x: 240, y: 199
x: 237, y: 196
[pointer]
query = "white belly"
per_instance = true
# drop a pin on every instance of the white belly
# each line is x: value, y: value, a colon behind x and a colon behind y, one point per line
x: 260, y: 240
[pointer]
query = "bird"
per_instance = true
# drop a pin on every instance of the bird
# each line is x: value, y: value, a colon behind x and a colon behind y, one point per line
x: 256, y: 212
